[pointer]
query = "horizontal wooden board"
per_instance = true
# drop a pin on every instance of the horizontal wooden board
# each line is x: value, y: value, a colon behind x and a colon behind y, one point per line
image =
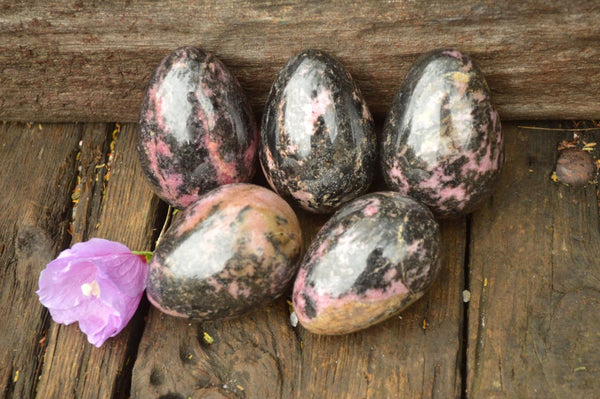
x: 91, y: 62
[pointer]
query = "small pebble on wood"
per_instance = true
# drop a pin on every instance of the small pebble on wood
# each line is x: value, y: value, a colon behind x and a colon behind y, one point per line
x: 575, y: 167
x: 318, y: 146
x: 233, y: 250
x: 375, y: 256
x: 442, y: 141
x: 196, y: 128
x: 466, y: 295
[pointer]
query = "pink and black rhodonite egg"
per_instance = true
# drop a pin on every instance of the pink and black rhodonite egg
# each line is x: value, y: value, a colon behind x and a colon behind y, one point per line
x: 196, y: 128
x: 372, y: 259
x: 318, y: 147
x: 442, y: 141
x: 234, y: 249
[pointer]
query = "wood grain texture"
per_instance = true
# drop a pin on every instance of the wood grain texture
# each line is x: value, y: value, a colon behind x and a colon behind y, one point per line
x: 38, y: 172
x: 81, y: 61
x: 535, y: 280
x: 531, y: 325
x: 261, y: 356
x: 120, y: 208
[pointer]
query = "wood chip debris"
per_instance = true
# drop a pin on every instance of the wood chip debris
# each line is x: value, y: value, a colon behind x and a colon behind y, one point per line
x: 207, y: 338
x: 588, y: 146
x: 564, y: 144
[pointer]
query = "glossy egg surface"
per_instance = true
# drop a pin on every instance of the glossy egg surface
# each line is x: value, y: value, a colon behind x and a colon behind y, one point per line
x: 373, y: 258
x: 234, y: 249
x: 196, y: 128
x: 442, y: 142
x: 318, y: 147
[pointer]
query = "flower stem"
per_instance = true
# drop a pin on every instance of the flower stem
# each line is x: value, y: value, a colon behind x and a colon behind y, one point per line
x: 170, y: 213
x: 146, y: 254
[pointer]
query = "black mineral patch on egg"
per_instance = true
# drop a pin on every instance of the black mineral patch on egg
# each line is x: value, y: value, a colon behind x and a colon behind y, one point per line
x: 442, y: 142
x: 318, y: 147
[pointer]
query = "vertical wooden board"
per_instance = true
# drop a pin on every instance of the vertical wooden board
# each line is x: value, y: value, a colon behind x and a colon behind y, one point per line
x: 36, y: 178
x: 261, y: 355
x: 128, y: 212
x: 413, y: 355
x: 62, y: 365
x: 533, y: 330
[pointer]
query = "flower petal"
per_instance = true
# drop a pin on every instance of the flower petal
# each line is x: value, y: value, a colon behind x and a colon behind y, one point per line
x: 87, y: 308
x: 62, y: 290
x: 98, y: 283
x: 102, y: 325
x: 127, y: 272
x: 94, y: 247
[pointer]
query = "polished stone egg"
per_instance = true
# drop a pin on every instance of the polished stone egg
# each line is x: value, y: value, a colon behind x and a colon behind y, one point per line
x: 234, y: 249
x: 196, y: 129
x: 318, y: 147
x: 376, y: 255
x: 442, y: 142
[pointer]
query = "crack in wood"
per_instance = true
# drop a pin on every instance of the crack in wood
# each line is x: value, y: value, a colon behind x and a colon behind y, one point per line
x: 464, y: 333
x: 481, y: 333
x: 434, y: 390
x: 276, y: 359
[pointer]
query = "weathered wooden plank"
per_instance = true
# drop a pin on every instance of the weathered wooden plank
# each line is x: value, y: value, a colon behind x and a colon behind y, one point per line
x: 252, y: 356
x: 38, y: 171
x: 535, y: 280
x: 91, y: 61
x: 122, y: 208
x: 261, y: 355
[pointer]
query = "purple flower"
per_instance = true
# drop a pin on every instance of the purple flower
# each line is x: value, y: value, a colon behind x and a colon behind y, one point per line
x: 98, y: 283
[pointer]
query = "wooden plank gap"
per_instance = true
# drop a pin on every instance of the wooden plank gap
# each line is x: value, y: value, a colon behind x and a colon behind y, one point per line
x: 465, y: 310
x: 90, y: 186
